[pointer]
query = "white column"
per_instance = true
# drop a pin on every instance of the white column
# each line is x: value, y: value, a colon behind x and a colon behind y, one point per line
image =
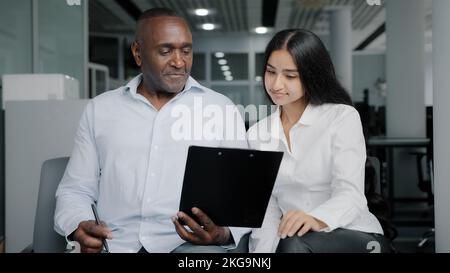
x: 405, y: 102
x: 35, y: 34
x: 341, y: 44
x: 441, y: 112
x: 405, y: 59
x: 85, y: 93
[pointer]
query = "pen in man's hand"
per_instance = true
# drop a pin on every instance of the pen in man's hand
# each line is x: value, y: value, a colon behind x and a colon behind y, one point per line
x: 97, y: 220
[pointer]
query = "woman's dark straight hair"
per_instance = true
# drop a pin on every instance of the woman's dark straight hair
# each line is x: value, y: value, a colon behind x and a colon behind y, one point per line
x: 314, y: 65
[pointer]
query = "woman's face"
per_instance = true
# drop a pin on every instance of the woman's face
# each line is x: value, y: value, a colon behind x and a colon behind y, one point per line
x: 282, y: 79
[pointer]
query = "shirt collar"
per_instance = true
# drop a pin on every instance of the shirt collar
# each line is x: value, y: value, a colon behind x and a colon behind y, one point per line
x: 309, y: 116
x: 133, y: 84
x: 191, y: 84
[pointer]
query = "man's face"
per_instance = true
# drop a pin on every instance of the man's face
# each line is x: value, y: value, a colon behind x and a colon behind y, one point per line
x: 164, y: 53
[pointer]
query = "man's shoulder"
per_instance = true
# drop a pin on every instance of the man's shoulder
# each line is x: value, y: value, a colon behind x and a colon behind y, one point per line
x: 216, y: 97
x: 109, y: 95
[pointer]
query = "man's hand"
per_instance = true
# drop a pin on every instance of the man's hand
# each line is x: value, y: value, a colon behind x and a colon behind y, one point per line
x: 89, y: 235
x: 297, y: 221
x: 207, y: 233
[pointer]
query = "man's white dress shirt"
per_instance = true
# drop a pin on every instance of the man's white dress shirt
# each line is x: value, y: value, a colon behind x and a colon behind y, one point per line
x: 322, y: 174
x: 130, y: 159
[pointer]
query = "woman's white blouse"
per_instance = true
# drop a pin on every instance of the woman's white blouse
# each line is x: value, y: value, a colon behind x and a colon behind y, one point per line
x: 322, y: 174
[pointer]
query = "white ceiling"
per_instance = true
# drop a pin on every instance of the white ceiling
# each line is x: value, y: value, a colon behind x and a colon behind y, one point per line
x: 242, y: 16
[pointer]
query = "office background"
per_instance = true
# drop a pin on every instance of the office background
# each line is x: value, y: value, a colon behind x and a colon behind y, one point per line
x: 385, y: 55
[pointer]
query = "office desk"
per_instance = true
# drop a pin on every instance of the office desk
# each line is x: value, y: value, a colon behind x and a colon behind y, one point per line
x: 398, y: 142
x: 389, y: 144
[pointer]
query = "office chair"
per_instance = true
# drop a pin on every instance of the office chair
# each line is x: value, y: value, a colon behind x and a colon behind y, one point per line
x: 376, y: 203
x: 424, y: 175
x: 426, y: 183
x: 45, y: 238
x: 428, y: 236
x: 374, y: 162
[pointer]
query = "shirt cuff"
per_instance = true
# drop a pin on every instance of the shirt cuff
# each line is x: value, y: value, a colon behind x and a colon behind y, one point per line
x: 236, y: 234
x: 324, y: 217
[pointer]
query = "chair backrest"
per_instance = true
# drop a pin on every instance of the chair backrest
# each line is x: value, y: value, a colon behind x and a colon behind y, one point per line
x: 377, y: 204
x: 375, y: 162
x: 45, y: 238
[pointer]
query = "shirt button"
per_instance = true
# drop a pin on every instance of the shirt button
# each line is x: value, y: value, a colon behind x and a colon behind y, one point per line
x: 152, y: 174
x: 156, y: 147
x: 148, y: 200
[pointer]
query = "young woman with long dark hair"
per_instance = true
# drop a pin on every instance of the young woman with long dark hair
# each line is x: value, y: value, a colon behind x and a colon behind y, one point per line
x: 318, y: 202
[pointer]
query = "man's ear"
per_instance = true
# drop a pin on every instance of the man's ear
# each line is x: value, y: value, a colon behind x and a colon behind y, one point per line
x: 135, y: 50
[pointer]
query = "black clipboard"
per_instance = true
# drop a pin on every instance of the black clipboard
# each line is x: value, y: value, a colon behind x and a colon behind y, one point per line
x: 232, y: 186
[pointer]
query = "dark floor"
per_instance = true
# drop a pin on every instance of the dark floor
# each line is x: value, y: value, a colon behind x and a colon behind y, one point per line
x: 414, y: 223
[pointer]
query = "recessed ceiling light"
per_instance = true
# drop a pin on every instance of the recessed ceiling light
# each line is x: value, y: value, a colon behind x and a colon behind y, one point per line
x: 258, y: 78
x: 225, y: 68
x: 222, y: 62
x: 201, y: 12
x: 219, y: 54
x: 261, y: 30
x: 227, y: 73
x: 208, y: 26
x: 229, y: 78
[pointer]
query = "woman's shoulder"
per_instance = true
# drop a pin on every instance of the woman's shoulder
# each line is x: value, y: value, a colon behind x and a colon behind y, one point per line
x: 339, y: 108
x: 342, y: 117
x: 338, y: 112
